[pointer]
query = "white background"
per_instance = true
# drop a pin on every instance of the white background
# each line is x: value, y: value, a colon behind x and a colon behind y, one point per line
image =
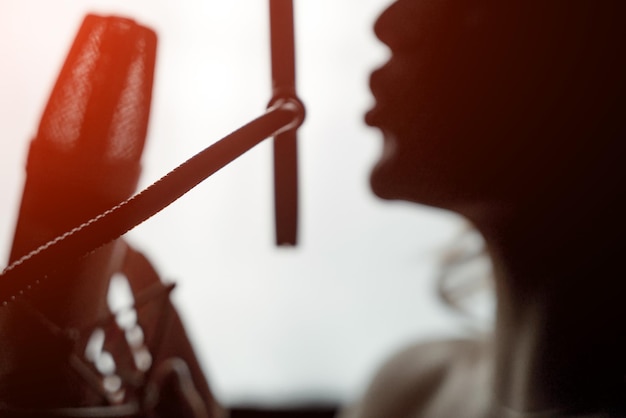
x: 270, y: 324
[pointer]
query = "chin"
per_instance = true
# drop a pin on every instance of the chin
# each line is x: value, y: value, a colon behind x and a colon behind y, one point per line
x: 380, y: 187
x: 391, y: 180
x: 386, y: 182
x: 418, y: 174
x: 384, y: 176
x: 383, y: 180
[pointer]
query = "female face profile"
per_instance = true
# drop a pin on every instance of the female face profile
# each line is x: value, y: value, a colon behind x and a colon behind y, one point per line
x: 512, y: 114
x: 427, y: 102
x: 486, y: 102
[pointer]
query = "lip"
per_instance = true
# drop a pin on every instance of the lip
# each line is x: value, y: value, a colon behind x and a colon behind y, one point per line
x: 372, y: 116
x: 377, y: 87
x: 377, y: 79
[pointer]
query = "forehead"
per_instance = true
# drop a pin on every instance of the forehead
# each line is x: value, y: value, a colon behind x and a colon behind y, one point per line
x: 411, y: 21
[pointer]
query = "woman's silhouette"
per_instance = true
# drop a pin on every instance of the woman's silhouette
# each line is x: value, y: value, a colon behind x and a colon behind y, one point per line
x: 512, y: 114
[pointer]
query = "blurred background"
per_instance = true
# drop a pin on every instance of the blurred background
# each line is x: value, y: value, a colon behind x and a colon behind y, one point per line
x: 271, y: 325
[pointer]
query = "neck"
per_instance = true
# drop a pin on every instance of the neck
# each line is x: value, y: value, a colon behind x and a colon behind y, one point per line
x: 559, y: 347
x: 559, y: 338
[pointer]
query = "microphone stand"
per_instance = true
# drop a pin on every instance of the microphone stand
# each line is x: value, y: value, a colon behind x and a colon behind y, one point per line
x: 284, y: 115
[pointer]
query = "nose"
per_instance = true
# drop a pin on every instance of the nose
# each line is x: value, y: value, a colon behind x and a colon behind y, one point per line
x: 404, y: 22
x: 383, y: 28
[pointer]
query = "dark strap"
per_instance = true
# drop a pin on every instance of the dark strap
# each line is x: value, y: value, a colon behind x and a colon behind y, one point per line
x: 113, y: 223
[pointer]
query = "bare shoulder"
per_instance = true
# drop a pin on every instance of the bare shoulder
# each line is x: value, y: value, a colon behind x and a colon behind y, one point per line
x: 429, y: 380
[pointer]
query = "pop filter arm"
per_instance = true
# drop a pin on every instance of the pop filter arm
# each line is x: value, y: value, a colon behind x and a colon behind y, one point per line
x: 284, y: 115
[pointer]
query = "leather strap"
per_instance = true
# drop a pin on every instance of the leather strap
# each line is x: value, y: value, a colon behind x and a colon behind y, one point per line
x: 29, y: 270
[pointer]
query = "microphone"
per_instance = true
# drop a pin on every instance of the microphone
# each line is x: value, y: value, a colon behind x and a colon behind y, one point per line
x: 84, y: 159
x: 86, y: 233
x: 82, y: 169
x: 86, y: 155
